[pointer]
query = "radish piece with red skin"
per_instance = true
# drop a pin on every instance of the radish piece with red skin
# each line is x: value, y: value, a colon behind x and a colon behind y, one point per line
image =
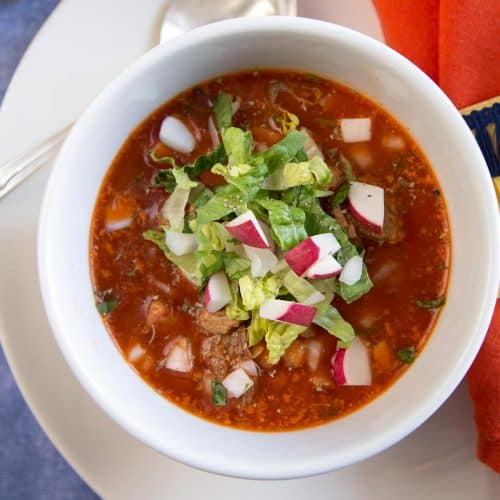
x: 262, y: 260
x: 217, y: 293
x: 311, y: 250
x: 286, y: 311
x: 366, y: 203
x: 325, y: 268
x: 352, y: 271
x: 247, y: 229
x: 356, y: 129
x: 178, y: 355
x: 352, y: 366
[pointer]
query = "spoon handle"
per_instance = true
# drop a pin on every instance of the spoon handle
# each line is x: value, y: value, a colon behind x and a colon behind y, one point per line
x: 15, y: 171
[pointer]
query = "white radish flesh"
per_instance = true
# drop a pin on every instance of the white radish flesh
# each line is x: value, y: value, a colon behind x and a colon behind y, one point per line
x: 136, y: 353
x: 315, y: 298
x: 181, y: 243
x: 286, y: 311
x: 314, y: 351
x: 366, y: 203
x: 237, y: 383
x: 352, y: 366
x: 118, y: 224
x: 310, y: 146
x: 324, y: 269
x: 351, y: 273
x: 247, y: 229
x: 175, y: 135
x: 302, y: 256
x: 262, y: 260
x: 217, y: 293
x: 356, y: 129
x: 179, y: 356
x: 250, y: 367
x: 393, y: 142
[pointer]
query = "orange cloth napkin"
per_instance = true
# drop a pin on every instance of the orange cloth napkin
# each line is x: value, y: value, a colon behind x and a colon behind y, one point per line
x: 456, y: 42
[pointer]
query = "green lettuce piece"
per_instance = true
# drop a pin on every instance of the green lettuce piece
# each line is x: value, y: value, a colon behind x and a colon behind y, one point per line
x: 255, y: 291
x: 238, y: 145
x: 200, y: 195
x: 279, y: 336
x: 236, y: 266
x: 257, y: 329
x: 299, y: 287
x: 283, y: 151
x: 287, y: 222
x: 225, y: 202
x: 214, y: 236
x: 175, y: 207
x: 246, y: 178
x: 208, y: 263
x: 315, y: 172
x: 330, y: 319
x: 182, y: 180
x: 187, y: 263
x: 223, y: 110
x: 286, y: 121
x: 235, y: 310
x: 165, y: 178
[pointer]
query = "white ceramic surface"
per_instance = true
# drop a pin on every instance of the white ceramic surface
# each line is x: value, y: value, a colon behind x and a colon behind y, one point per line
x: 435, y: 461
x: 361, y: 63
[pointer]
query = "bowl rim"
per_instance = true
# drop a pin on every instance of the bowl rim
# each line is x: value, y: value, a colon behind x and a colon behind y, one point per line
x: 436, y: 397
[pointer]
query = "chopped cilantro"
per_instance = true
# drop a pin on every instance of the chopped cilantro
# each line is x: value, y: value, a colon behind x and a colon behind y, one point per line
x: 340, y: 195
x: 219, y: 393
x: 105, y: 303
x: 407, y: 354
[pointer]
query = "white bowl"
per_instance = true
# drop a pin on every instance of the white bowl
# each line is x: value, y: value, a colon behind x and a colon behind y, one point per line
x: 347, y: 57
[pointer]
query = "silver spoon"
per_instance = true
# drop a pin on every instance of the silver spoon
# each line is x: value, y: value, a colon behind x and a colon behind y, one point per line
x: 181, y: 16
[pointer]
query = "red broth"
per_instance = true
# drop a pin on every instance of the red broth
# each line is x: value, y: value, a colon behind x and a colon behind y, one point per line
x: 389, y: 319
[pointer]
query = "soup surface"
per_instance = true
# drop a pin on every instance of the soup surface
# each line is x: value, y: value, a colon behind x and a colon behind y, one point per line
x: 260, y: 369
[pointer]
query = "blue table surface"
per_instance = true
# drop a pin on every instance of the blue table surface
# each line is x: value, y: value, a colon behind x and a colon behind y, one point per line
x: 30, y: 466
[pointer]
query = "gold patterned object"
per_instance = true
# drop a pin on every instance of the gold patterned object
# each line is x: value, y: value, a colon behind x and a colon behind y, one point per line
x: 483, y: 119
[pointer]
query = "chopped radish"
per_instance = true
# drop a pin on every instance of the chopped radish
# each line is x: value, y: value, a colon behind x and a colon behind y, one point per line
x: 236, y: 105
x: 118, y: 224
x: 247, y: 229
x: 324, y: 268
x: 361, y: 155
x: 181, y: 243
x: 310, y: 146
x: 351, y: 273
x: 366, y: 203
x: 352, y: 366
x: 175, y: 135
x: 136, y: 353
x: 251, y: 367
x: 237, y: 383
x: 314, y: 350
x: 286, y: 311
x: 262, y: 260
x: 356, y: 129
x: 217, y: 292
x: 315, y: 298
x: 272, y: 125
x: 302, y: 256
x: 393, y: 142
x: 214, y: 135
x: 179, y: 356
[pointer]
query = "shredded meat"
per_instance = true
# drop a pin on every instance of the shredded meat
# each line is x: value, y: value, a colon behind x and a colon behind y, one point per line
x: 217, y: 323
x: 348, y: 226
x: 393, y: 231
x: 157, y: 313
x: 223, y: 353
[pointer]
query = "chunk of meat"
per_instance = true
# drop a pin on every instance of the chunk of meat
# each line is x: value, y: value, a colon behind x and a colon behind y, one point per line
x: 346, y: 224
x: 225, y: 352
x: 393, y: 231
x: 217, y: 323
x: 295, y: 355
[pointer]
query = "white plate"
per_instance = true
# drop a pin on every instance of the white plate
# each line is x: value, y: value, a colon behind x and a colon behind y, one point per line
x: 48, y: 90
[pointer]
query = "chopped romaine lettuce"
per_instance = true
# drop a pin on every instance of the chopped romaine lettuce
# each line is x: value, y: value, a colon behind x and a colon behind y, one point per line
x: 314, y: 171
x: 182, y: 180
x: 287, y: 223
x: 286, y: 121
x: 186, y: 263
x: 283, y: 151
x: 238, y: 145
x: 330, y: 319
x: 299, y: 287
x: 174, y: 208
x: 223, y: 110
x: 224, y: 202
x: 214, y: 236
x: 234, y: 310
x: 254, y: 291
x: 279, y: 336
x: 236, y: 266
